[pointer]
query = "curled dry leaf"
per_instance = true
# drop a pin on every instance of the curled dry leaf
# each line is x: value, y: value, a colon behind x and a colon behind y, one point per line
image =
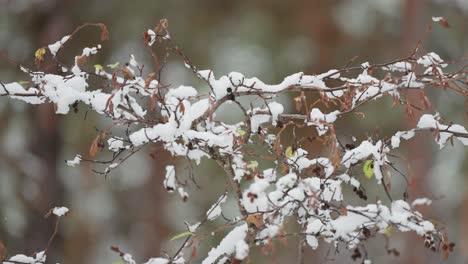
x: 127, y: 74
x: 110, y: 105
x: 442, y: 21
x: 298, y: 103
x: 149, y: 79
x: 344, y: 211
x: 182, y: 108
x: 163, y: 25
x: 104, y: 32
x: 94, y: 146
x: 80, y: 60
x: 255, y: 220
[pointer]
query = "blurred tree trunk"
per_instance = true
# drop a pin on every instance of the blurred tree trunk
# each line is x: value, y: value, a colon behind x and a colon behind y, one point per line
x: 45, y: 144
x: 315, y: 18
x: 419, y: 150
x: 155, y: 208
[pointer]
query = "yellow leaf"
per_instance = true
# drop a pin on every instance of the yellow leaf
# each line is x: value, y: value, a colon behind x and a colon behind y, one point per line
x: 39, y: 54
x: 368, y: 168
x: 241, y: 132
x: 387, y: 230
x: 253, y: 164
x: 113, y: 66
x: 23, y: 82
x: 98, y: 67
x: 181, y: 235
x: 289, y: 152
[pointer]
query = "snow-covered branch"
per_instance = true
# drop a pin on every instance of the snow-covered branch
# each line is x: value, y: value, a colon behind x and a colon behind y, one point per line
x: 302, y: 186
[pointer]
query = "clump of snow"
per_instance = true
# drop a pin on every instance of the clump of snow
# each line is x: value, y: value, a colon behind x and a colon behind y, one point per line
x: 395, y: 141
x: 242, y: 250
x: 128, y: 259
x: 90, y: 51
x: 15, y: 88
x: 410, y: 81
x: 75, y: 161
x: 376, y: 151
x: 60, y: 211
x: 170, y: 182
x: 428, y: 121
x: 39, y: 258
x: 115, y: 144
x: 258, y: 116
x: 54, y: 48
x: 333, y: 74
x: 181, y: 92
x: 347, y: 227
x: 157, y: 261
x: 430, y: 59
x: 152, y: 36
x: 364, y: 150
x: 401, y: 66
x: 227, y: 245
x: 321, y: 120
x: 276, y: 109
x: 421, y: 201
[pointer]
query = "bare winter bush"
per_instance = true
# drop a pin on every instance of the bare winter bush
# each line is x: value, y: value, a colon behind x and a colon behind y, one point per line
x: 271, y: 182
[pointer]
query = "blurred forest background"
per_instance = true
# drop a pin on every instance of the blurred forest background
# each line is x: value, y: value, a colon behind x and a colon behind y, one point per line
x: 267, y: 39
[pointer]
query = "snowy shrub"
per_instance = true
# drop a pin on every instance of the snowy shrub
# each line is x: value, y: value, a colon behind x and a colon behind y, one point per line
x: 298, y: 186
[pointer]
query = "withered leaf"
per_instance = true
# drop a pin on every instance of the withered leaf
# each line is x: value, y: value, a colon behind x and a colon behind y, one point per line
x: 344, y: 211
x: 255, y: 220
x: 149, y: 79
x: 104, y: 32
x: 127, y: 74
x: 182, y: 107
x: 80, y: 60
x: 298, y: 103
x: 442, y: 21
x: 94, y: 146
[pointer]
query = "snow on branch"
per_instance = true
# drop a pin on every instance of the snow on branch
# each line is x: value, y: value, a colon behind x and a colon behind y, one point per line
x: 302, y: 186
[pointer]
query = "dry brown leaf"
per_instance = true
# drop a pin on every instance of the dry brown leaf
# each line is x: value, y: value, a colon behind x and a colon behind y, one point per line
x: 94, y: 146
x: 298, y: 103
x: 80, y: 60
x: 255, y: 219
x: 163, y: 24
x: 182, y: 108
x: 149, y: 79
x: 443, y: 22
x: 110, y: 105
x: 146, y: 37
x: 193, y: 255
x: 104, y: 32
x: 127, y: 74
x: 344, y: 211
